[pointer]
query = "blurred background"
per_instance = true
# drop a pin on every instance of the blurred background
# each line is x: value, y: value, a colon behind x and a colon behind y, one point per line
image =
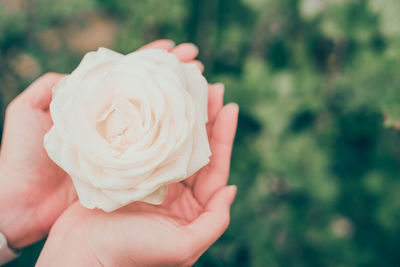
x: 317, y: 152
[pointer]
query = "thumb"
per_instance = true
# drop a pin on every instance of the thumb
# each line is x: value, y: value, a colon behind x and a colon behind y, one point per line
x: 222, y: 199
x: 213, y: 222
x: 39, y: 93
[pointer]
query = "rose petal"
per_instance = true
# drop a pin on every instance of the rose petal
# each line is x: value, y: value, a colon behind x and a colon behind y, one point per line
x: 92, y: 198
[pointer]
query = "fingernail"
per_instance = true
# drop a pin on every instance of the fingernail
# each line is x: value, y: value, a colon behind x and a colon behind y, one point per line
x: 171, y: 43
x: 233, y: 191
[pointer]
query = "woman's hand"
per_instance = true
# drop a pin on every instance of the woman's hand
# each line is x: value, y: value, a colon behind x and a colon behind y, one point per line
x: 176, y: 233
x: 33, y: 190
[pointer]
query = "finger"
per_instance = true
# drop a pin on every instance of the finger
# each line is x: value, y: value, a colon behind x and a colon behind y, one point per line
x: 215, y: 103
x: 186, y: 52
x: 39, y: 93
x: 215, y: 174
x: 199, y: 65
x: 212, y: 223
x: 160, y: 44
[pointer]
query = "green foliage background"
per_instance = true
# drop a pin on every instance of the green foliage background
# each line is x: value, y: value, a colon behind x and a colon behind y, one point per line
x: 316, y: 158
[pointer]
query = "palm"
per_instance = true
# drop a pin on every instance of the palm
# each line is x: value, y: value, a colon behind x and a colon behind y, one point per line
x: 181, y: 207
x: 157, y: 231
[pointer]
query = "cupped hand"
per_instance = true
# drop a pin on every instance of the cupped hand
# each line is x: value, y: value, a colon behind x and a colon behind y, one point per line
x: 33, y: 190
x: 176, y: 233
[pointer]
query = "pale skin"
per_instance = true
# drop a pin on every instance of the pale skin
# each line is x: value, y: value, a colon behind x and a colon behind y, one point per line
x: 194, y: 215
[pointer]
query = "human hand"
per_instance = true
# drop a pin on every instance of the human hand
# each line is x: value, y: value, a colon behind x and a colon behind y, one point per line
x: 194, y: 215
x: 33, y: 190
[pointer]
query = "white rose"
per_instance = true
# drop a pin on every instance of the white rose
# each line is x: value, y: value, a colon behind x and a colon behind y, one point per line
x: 126, y: 126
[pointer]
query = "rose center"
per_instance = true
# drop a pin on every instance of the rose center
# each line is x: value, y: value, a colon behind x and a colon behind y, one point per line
x: 122, y: 124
